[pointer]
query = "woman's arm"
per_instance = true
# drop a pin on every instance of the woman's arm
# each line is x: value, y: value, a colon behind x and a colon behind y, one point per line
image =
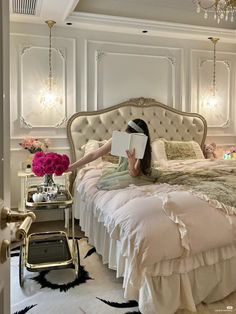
x: 134, y: 164
x: 101, y: 151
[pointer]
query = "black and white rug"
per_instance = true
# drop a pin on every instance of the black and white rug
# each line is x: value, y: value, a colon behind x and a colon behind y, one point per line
x: 97, y: 291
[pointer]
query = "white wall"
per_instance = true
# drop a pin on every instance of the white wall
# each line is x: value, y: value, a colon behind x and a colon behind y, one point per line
x: 105, y: 68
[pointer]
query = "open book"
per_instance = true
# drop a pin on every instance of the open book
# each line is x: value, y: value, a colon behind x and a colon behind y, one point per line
x: 123, y: 141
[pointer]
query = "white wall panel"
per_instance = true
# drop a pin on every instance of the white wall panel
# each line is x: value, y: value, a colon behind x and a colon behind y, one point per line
x: 117, y: 72
x: 29, y: 65
x: 220, y: 117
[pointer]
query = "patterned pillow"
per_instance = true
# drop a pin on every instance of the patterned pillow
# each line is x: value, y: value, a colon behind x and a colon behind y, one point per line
x: 175, y: 150
x: 179, y: 150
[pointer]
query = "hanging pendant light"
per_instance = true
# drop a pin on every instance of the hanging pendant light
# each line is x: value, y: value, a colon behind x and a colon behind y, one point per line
x: 213, y: 100
x: 50, y: 95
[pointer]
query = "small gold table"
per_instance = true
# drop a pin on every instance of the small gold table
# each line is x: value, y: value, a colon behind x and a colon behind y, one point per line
x: 52, y: 249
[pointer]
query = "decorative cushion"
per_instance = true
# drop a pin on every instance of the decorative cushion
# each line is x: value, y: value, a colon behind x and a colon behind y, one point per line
x: 175, y: 150
x: 93, y: 145
x: 90, y: 146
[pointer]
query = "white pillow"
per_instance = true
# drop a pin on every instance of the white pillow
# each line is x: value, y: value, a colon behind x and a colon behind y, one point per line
x: 90, y: 146
x: 159, y: 153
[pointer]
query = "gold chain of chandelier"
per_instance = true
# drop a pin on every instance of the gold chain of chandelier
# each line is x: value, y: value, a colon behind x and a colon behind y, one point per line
x: 214, y: 40
x: 50, y: 24
x: 222, y: 9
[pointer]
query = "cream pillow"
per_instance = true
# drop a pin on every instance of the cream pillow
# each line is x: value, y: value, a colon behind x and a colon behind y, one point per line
x: 175, y: 150
x: 158, y: 151
x: 90, y: 146
x: 93, y: 145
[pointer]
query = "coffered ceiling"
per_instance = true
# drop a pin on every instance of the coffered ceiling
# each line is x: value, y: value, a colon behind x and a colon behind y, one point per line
x: 171, y: 11
x: 176, y: 11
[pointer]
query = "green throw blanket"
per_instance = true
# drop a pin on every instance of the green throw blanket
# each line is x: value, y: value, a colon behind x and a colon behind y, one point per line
x: 219, y: 185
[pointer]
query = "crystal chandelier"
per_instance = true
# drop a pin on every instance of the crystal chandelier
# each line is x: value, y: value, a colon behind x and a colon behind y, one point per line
x: 221, y: 9
x: 49, y: 94
x: 213, y: 99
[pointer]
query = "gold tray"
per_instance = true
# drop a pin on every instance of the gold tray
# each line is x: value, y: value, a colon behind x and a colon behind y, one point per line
x: 63, y: 198
x: 48, y: 250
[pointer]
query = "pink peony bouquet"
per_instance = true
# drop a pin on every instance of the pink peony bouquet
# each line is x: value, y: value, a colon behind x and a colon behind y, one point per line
x: 49, y: 163
x: 33, y: 145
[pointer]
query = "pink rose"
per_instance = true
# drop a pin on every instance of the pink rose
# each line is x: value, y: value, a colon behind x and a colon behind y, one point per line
x: 38, y: 171
x: 49, y: 163
x: 38, y: 155
x: 59, y: 170
x: 49, y: 169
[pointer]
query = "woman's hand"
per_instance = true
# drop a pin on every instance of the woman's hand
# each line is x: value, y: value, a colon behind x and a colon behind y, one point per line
x: 134, y: 166
x: 131, y: 157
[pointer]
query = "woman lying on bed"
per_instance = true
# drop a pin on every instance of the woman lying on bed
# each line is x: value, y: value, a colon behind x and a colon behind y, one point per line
x: 129, y: 170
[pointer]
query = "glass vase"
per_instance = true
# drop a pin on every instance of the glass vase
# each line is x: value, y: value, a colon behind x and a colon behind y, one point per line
x: 48, y: 180
x: 49, y: 188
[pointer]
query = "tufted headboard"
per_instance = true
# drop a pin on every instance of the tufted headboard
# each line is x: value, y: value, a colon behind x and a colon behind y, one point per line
x: 163, y: 121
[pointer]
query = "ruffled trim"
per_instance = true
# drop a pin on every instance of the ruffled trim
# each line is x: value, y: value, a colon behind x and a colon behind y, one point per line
x: 189, y: 263
x: 181, y: 226
x: 226, y: 209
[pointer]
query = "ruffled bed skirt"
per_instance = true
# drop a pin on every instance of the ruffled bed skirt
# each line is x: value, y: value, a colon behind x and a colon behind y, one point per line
x: 163, y: 288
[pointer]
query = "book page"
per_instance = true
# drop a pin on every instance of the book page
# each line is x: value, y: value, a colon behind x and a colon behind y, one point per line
x: 120, y: 143
x: 123, y: 141
x: 138, y: 142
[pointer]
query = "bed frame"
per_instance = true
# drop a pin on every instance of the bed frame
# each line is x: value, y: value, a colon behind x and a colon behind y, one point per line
x: 162, y: 121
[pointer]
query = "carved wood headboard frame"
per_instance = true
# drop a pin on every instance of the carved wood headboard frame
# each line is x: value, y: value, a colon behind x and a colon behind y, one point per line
x: 163, y: 121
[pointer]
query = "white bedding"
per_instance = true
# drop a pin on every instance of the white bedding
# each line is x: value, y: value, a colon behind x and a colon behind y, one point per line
x: 162, y: 229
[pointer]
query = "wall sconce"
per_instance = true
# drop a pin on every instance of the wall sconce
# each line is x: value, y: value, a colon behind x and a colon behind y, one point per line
x: 213, y: 100
x: 49, y: 95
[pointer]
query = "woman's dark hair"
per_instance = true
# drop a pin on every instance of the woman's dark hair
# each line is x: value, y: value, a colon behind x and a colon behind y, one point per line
x: 145, y: 163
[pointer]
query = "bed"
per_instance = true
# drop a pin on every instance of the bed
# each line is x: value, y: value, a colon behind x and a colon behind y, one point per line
x: 174, y: 247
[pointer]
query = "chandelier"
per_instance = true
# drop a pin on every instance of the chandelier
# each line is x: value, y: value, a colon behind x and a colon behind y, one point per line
x: 49, y: 94
x: 212, y: 101
x: 221, y: 9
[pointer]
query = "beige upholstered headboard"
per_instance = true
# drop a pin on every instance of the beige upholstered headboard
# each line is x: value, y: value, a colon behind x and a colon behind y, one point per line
x: 163, y: 121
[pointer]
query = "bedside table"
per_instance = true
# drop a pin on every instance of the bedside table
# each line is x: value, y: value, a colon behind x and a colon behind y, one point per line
x: 29, y: 178
x: 62, y: 201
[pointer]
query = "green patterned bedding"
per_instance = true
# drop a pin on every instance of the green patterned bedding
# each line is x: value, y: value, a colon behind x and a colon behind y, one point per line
x: 216, y: 184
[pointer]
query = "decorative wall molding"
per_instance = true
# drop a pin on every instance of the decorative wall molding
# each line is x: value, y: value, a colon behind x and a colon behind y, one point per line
x: 222, y: 117
x: 104, y: 57
x: 25, y: 123
x: 101, y: 57
x: 217, y: 117
x: 34, y: 71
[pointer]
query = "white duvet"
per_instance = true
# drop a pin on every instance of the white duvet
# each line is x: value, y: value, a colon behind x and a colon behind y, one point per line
x: 162, y: 228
